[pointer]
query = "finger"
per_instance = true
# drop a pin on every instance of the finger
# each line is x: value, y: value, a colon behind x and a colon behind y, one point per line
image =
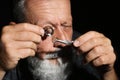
x: 95, y: 53
x: 23, y: 44
x: 24, y: 53
x: 29, y: 27
x: 104, y: 60
x: 26, y: 36
x: 93, y: 42
x: 12, y: 23
x: 85, y: 37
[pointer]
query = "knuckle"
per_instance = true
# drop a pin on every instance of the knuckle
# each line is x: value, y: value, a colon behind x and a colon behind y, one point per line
x: 95, y: 33
x: 82, y: 48
x: 113, y: 57
x: 94, y: 40
x: 5, y: 38
x: 101, y: 34
x: 24, y: 26
x: 97, y: 49
x: 5, y: 29
x: 33, y: 45
x: 30, y: 51
x: 111, y: 49
x: 25, y: 53
x: 92, y: 32
x: 108, y: 40
x: 101, y: 60
x: 88, y: 57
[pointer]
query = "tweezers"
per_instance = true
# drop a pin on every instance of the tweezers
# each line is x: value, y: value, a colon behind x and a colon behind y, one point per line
x: 64, y: 41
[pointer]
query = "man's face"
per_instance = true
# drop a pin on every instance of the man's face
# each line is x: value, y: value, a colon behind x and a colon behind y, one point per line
x: 54, y: 13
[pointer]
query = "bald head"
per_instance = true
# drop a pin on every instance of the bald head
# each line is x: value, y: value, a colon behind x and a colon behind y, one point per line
x: 34, y: 8
x: 54, y: 8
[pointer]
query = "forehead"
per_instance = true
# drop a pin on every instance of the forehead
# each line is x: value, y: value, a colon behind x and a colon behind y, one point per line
x: 49, y: 9
x: 48, y: 4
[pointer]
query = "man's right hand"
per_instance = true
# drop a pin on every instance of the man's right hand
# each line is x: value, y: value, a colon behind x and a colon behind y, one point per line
x: 18, y: 41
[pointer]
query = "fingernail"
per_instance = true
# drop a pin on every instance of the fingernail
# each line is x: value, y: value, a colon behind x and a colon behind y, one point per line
x: 76, y: 43
x: 42, y: 32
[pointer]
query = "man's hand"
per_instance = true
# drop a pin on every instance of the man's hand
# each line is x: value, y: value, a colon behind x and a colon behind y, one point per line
x: 98, y: 51
x: 18, y: 41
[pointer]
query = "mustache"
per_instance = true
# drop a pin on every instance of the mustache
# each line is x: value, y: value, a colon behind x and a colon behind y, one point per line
x: 68, y: 52
x: 63, y: 52
x: 53, y: 54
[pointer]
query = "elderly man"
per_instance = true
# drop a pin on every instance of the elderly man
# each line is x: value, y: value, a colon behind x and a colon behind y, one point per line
x: 39, y: 46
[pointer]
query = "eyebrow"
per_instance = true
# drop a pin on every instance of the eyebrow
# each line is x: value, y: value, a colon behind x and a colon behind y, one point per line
x: 53, y: 23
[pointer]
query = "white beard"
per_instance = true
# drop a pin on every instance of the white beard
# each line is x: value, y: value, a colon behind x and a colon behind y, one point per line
x: 45, y: 70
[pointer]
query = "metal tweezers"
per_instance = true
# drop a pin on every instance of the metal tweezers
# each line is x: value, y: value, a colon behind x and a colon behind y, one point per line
x: 64, y: 41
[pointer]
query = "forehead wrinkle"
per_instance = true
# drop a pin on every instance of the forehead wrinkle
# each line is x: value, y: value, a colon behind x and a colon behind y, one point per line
x: 51, y: 21
x: 43, y: 7
x: 47, y: 4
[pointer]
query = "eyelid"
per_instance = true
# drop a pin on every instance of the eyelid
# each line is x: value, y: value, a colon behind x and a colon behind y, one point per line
x: 66, y: 25
x: 49, y: 25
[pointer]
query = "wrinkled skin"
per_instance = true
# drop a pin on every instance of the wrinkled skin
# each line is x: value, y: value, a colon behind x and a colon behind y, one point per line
x: 25, y: 39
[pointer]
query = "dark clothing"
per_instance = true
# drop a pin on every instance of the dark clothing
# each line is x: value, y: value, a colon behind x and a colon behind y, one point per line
x: 84, y: 72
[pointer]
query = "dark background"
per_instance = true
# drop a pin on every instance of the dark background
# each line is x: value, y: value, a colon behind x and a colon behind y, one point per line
x: 98, y: 15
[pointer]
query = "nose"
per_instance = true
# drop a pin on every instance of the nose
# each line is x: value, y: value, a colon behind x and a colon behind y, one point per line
x: 59, y: 34
x: 58, y: 43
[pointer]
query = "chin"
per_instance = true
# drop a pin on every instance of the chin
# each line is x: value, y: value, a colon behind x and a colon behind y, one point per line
x: 44, y: 69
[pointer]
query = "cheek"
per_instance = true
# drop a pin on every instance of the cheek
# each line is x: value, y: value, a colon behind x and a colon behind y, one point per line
x: 68, y: 33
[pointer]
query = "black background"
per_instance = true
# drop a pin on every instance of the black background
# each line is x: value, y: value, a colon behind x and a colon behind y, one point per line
x: 97, y: 15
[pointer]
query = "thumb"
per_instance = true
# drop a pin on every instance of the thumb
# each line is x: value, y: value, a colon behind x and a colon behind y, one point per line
x: 12, y: 23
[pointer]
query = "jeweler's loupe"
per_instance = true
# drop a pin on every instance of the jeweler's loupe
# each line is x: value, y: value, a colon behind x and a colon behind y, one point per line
x: 48, y: 31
